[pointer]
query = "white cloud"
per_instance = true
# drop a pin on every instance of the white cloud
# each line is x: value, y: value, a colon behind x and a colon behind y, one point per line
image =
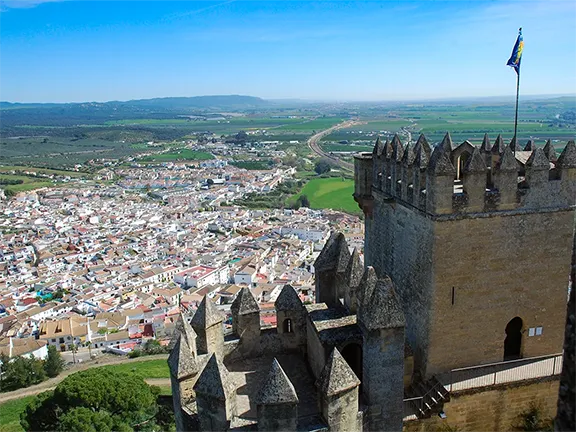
x: 23, y: 4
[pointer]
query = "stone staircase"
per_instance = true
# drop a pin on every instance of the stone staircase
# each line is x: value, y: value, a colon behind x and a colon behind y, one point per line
x: 427, y: 397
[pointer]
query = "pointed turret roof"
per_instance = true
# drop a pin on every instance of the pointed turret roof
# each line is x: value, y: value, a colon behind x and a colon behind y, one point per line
x: 334, y: 255
x: 422, y: 142
x: 337, y: 376
x: 397, y: 149
x: 567, y: 158
x: 288, y: 299
x: 367, y: 284
x: 530, y: 145
x: 507, y: 161
x: 181, y: 361
x: 440, y: 162
x: 354, y: 270
x: 214, y: 381
x: 409, y: 155
x: 550, y: 151
x: 446, y: 143
x: 378, y: 147
x: 475, y: 163
x: 498, y: 147
x: 182, y: 327
x: 514, y: 144
x: 382, y: 309
x: 277, y: 388
x: 538, y: 160
x: 422, y: 152
x: 485, y: 146
x: 244, y: 303
x: 206, y: 315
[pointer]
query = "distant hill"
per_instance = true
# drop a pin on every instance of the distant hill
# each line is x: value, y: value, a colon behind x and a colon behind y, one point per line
x: 208, y: 102
x: 70, y: 114
x: 167, y: 103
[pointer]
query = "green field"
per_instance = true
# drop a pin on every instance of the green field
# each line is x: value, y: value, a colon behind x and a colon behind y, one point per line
x: 346, y: 148
x: 10, y: 414
x: 146, y: 369
x: 6, y: 168
x: 333, y: 193
x: 312, y: 125
x: 28, y: 183
x: 182, y: 155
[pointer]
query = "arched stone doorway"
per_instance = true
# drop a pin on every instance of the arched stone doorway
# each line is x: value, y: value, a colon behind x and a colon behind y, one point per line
x: 513, y: 341
x: 352, y: 353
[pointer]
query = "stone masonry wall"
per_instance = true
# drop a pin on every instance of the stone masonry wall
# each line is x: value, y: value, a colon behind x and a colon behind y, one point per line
x: 399, y: 242
x: 493, y: 409
x: 501, y: 267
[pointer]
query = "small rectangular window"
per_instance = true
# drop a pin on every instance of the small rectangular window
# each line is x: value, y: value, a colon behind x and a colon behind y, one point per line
x: 538, y: 331
x: 531, y: 331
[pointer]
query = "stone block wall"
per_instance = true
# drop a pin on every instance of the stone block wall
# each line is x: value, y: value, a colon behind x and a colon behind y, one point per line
x: 490, y: 270
x: 491, y: 409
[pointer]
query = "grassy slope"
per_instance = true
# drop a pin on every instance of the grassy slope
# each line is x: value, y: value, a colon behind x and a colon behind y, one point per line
x: 333, y: 193
x: 146, y: 369
x: 10, y: 414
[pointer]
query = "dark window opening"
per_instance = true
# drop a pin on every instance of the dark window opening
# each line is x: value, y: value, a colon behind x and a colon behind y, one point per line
x: 513, y: 341
x: 352, y: 353
x: 288, y: 326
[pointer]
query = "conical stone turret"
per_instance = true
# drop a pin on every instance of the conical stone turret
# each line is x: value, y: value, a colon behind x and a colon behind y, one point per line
x: 246, y: 319
x: 277, y: 402
x: 330, y: 267
x: 354, y: 273
x: 207, y: 322
x: 290, y: 316
x: 338, y: 394
x: 215, y: 396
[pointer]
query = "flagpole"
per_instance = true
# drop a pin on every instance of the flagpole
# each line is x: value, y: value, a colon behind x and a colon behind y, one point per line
x: 516, y: 114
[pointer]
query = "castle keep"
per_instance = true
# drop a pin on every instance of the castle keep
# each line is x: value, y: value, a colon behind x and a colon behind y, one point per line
x: 458, y: 306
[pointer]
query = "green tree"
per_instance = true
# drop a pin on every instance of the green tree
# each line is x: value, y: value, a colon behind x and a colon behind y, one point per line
x: 54, y: 362
x: 117, y: 400
x: 152, y: 346
x: 22, y: 372
x: 304, y: 201
x: 322, y: 167
x: 83, y: 419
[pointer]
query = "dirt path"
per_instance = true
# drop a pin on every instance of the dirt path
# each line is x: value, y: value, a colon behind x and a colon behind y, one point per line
x: 53, y: 382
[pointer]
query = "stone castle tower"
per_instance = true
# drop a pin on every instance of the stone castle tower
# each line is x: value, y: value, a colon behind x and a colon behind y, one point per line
x: 467, y: 256
x: 477, y: 242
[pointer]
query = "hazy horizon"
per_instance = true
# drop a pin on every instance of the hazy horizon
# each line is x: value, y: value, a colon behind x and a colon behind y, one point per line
x: 315, y: 100
x: 77, y: 51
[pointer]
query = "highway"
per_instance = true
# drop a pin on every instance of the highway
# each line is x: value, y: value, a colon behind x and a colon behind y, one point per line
x: 314, y: 140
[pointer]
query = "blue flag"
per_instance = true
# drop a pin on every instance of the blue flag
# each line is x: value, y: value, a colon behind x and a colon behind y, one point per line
x: 516, y: 56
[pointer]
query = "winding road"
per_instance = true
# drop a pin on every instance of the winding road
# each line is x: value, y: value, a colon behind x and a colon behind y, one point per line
x: 313, y: 143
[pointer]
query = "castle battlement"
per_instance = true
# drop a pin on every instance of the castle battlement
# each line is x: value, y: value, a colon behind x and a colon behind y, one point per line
x: 465, y: 180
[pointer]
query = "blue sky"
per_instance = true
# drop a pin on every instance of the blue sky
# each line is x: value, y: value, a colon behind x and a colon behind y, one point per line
x: 71, y: 51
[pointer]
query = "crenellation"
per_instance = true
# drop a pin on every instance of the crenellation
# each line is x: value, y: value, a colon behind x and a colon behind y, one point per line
x: 440, y: 179
x: 443, y: 182
x: 407, y: 176
x: 474, y: 182
x: 530, y: 145
x: 550, y: 151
